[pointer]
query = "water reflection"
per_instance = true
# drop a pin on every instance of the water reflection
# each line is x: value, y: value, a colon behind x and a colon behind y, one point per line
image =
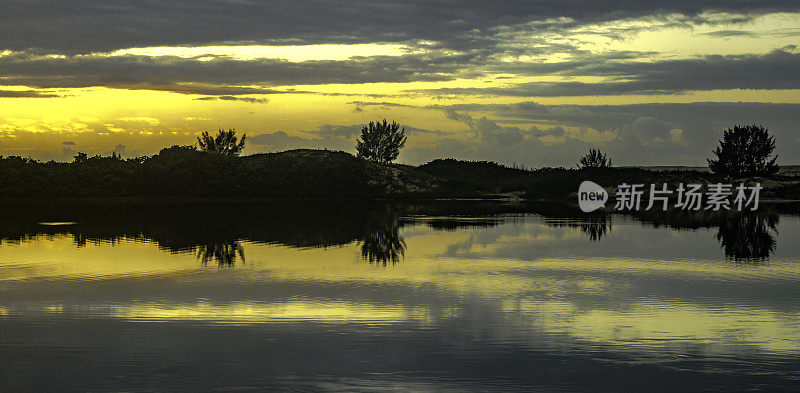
x: 745, y: 237
x: 493, y: 297
x: 748, y: 238
x: 216, y: 231
x: 595, y: 226
x: 382, y: 243
x: 225, y: 254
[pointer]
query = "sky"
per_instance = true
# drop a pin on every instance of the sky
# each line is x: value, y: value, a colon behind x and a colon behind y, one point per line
x: 534, y: 83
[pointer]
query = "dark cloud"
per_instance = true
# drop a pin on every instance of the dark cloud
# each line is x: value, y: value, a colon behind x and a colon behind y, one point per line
x: 250, y: 100
x: 103, y: 25
x: 651, y: 131
x: 347, y: 132
x: 191, y: 76
x: 506, y: 145
x: 485, y: 139
x: 459, y: 117
x: 554, y: 131
x: 774, y: 70
x: 25, y: 94
x: 278, y: 140
x: 478, y: 49
x: 478, y: 32
x: 414, y: 131
x: 641, y: 134
x: 384, y: 104
x: 647, y: 132
x: 327, y: 136
x: 69, y: 143
x: 204, y: 89
x: 730, y: 33
x: 488, y: 131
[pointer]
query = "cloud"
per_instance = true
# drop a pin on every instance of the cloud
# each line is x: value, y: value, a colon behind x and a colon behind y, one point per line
x: 774, y: 70
x: 325, y: 137
x: 554, y: 131
x: 485, y: 139
x: 473, y: 41
x: 652, y: 131
x: 506, y: 145
x: 444, y: 43
x: 92, y: 25
x: 730, y: 33
x: 250, y: 100
x: 640, y: 134
x: 67, y: 154
x: 665, y: 133
x: 338, y: 131
x: 461, y: 118
x: 491, y: 133
x: 221, y: 75
x: 203, y: 89
x: 26, y: 94
x: 69, y: 143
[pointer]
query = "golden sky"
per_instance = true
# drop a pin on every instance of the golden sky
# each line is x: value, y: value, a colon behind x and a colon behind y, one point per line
x: 534, y: 84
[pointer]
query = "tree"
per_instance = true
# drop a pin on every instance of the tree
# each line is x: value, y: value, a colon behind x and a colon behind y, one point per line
x: 745, y: 151
x: 594, y: 159
x: 381, y: 142
x: 81, y: 157
x: 224, y: 143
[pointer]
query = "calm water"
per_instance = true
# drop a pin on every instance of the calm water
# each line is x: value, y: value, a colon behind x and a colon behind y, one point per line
x: 370, y: 297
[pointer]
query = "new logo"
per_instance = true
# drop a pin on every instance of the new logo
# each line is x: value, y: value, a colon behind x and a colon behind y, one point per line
x: 591, y: 196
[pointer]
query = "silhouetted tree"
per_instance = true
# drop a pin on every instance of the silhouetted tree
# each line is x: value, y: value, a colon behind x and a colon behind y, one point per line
x: 594, y: 159
x: 224, y: 143
x: 381, y: 142
x: 745, y: 151
x: 81, y: 157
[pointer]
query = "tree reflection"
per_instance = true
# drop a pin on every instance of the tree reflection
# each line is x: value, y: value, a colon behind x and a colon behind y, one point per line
x: 382, y: 242
x: 225, y: 253
x: 214, y: 230
x: 595, y: 227
x: 748, y: 238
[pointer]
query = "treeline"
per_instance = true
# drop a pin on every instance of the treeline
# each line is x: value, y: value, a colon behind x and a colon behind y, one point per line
x: 183, y: 171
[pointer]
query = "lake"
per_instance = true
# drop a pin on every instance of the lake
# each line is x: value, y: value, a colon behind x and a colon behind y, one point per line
x: 453, y: 296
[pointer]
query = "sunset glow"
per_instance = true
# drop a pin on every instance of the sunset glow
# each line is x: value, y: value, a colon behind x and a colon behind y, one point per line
x: 545, y: 85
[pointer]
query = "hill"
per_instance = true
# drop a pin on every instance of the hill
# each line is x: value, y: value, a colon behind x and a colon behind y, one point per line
x: 182, y: 171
